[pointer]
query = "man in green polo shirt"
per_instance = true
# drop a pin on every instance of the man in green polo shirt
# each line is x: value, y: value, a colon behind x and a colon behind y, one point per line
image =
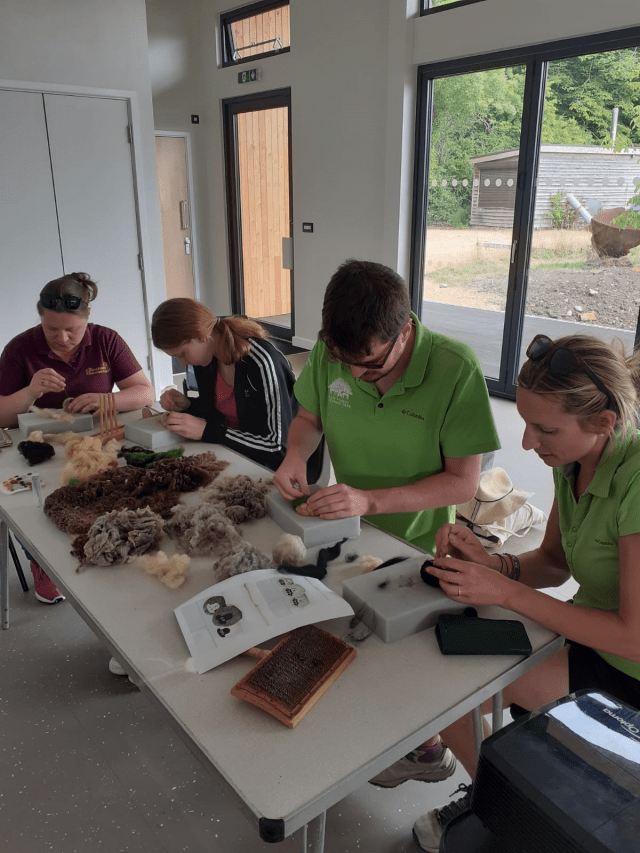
x: 405, y: 411
x: 406, y: 416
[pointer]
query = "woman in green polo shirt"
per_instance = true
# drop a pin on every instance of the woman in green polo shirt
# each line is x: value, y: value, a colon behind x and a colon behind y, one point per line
x: 579, y: 399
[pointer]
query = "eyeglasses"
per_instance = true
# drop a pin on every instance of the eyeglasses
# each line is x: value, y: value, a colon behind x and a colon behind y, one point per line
x: 563, y: 362
x: 372, y: 365
x: 71, y: 303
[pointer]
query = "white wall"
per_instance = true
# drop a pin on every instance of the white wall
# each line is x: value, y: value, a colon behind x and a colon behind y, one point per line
x: 349, y: 108
x: 90, y: 45
x: 500, y: 24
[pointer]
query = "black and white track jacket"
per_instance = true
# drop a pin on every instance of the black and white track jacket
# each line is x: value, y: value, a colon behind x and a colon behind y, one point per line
x: 263, y: 389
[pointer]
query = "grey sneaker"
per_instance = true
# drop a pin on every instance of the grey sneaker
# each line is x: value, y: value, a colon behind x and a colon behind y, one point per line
x: 428, y: 829
x: 414, y: 766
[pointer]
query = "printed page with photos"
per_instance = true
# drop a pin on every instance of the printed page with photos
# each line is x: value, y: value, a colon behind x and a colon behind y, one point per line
x: 243, y: 611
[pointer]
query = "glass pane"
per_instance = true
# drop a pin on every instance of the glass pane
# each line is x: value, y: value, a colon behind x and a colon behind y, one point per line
x: 261, y: 33
x: 432, y: 4
x: 263, y: 167
x: 473, y: 168
x: 585, y: 277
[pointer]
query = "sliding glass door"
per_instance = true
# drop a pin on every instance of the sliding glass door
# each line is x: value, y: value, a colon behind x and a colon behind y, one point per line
x: 514, y: 161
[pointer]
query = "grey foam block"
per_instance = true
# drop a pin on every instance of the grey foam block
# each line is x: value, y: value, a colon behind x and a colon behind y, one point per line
x: 395, y: 602
x: 32, y: 421
x: 152, y: 434
x: 312, y: 531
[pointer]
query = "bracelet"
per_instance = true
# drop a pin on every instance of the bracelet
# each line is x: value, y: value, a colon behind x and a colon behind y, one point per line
x: 504, y: 566
x: 516, y: 567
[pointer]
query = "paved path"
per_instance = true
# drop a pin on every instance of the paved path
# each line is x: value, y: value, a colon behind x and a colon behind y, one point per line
x: 482, y: 330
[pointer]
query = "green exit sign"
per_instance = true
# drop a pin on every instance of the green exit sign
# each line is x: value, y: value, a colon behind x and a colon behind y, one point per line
x: 249, y: 76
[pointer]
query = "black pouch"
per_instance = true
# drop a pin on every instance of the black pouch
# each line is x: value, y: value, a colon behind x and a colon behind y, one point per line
x: 471, y: 635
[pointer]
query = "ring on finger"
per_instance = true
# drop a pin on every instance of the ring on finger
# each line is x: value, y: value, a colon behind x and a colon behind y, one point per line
x: 459, y: 592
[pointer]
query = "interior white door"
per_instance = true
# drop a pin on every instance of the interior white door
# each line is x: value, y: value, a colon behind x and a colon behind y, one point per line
x: 29, y: 239
x: 93, y: 177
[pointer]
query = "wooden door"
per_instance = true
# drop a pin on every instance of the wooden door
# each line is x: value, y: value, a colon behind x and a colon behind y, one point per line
x: 175, y: 213
x: 259, y: 192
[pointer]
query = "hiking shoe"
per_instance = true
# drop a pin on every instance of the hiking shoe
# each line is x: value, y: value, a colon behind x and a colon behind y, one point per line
x: 46, y: 590
x: 428, y: 829
x: 415, y: 765
x: 116, y: 667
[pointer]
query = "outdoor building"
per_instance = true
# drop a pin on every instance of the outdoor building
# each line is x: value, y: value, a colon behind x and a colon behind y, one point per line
x: 597, y: 177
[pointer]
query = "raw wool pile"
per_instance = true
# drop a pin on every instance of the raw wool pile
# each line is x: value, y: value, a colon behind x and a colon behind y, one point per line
x: 202, y: 530
x: 240, y: 498
x: 171, y: 571
x: 243, y: 558
x: 73, y: 509
x: 61, y: 415
x: 289, y: 550
x: 117, y: 536
x: 88, y: 456
x: 36, y: 452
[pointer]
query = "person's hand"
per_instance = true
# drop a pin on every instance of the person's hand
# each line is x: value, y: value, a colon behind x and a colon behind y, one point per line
x: 173, y: 401
x: 338, y: 501
x: 83, y: 404
x: 187, y: 426
x: 470, y: 583
x: 291, y: 478
x: 46, y: 381
x: 455, y: 540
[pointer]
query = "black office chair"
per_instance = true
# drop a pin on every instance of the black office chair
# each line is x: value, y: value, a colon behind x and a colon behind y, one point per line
x: 16, y: 562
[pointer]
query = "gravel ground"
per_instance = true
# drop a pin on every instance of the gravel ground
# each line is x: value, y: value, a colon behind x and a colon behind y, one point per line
x: 610, y: 291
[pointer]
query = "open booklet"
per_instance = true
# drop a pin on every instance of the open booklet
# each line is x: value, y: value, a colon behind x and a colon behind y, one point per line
x: 240, y: 612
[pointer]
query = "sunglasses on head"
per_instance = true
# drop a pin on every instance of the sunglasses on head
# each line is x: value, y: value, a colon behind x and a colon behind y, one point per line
x: 71, y: 303
x: 563, y: 361
x: 371, y: 365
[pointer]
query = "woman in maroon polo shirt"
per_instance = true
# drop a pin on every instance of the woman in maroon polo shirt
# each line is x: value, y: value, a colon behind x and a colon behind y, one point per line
x: 67, y: 357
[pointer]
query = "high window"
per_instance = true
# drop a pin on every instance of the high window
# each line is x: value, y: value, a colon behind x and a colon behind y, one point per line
x: 428, y: 6
x: 260, y: 29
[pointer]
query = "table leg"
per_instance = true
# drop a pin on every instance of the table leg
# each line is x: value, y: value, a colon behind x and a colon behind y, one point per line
x: 497, y: 712
x: 478, y: 729
x: 313, y: 835
x: 4, y: 574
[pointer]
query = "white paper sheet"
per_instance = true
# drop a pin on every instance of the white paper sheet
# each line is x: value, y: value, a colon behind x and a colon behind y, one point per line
x: 243, y: 611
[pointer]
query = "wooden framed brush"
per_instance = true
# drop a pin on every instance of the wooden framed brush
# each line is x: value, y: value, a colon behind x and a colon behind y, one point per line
x: 289, y: 680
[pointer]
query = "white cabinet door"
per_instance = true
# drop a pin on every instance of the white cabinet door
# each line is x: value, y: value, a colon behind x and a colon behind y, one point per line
x: 30, y: 253
x: 93, y: 177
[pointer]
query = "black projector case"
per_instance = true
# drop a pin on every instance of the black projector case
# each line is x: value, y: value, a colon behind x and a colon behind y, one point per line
x: 564, y: 779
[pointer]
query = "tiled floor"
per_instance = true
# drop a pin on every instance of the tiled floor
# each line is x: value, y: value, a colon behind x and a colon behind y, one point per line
x: 88, y: 764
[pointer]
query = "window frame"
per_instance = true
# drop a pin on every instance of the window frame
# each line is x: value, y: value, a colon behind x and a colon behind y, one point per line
x: 241, y: 14
x: 426, y: 9
x: 536, y: 57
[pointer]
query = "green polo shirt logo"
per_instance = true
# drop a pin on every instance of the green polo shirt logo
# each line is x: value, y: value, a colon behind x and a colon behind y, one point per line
x: 339, y: 392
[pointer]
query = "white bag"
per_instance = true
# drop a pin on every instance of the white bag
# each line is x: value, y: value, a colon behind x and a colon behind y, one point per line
x: 495, y: 533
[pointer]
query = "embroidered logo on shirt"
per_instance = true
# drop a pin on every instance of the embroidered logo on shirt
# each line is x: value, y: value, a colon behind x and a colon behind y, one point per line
x: 412, y: 414
x: 92, y: 371
x: 339, y: 392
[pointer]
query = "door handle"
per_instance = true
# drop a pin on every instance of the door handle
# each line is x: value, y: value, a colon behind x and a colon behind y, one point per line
x: 184, y: 216
x: 187, y: 246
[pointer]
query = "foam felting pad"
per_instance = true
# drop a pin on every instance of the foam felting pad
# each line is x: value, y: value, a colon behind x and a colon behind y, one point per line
x: 151, y: 433
x: 394, y: 602
x: 32, y: 421
x: 312, y: 531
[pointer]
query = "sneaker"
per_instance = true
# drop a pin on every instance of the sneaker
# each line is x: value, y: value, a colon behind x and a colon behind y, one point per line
x: 416, y: 766
x: 116, y: 667
x: 428, y: 829
x: 46, y: 591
